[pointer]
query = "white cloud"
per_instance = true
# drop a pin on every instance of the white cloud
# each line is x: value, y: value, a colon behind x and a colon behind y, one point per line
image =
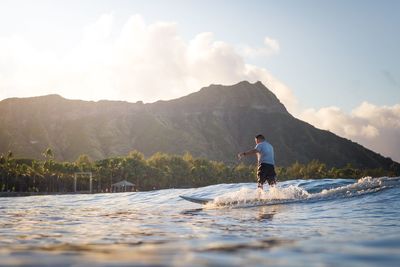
x: 375, y: 127
x: 271, y: 47
x: 140, y: 61
x: 382, y: 116
x: 149, y: 62
x: 272, y: 44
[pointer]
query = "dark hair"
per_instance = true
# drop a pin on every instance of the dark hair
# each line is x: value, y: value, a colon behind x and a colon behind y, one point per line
x: 260, y: 137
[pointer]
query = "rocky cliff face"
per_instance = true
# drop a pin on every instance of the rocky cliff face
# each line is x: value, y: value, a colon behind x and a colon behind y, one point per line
x: 217, y: 122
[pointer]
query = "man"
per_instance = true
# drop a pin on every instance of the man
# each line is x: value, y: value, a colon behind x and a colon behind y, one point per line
x: 266, y: 162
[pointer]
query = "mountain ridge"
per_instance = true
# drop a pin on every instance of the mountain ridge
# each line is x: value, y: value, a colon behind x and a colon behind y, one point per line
x: 216, y: 122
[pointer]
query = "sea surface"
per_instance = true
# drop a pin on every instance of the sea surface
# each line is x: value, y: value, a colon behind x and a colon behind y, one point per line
x: 324, y: 222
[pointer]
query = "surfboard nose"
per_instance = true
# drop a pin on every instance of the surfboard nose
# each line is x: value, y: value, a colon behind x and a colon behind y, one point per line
x: 198, y: 200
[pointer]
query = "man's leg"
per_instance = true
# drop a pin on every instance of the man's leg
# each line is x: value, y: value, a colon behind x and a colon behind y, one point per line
x: 261, y: 181
x: 271, y: 181
x: 261, y: 176
x: 260, y: 185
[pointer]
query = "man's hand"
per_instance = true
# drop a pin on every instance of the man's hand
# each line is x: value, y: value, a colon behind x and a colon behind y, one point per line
x: 247, y: 153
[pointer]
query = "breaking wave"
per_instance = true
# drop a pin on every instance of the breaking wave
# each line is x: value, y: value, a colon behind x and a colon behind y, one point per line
x: 288, y: 193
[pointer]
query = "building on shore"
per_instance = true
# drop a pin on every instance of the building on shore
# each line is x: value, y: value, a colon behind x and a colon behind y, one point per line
x: 122, y: 186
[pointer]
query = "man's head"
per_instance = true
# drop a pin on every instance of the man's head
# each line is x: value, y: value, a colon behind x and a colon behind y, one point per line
x: 259, y: 138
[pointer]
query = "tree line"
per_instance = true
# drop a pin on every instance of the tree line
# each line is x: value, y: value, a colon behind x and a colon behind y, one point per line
x: 156, y: 172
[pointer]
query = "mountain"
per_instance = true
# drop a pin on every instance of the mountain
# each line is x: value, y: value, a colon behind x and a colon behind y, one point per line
x: 217, y: 122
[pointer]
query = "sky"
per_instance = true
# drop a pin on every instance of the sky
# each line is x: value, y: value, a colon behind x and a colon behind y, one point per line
x: 334, y: 64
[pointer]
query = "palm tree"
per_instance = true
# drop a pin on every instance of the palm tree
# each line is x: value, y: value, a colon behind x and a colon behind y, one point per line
x: 48, y: 153
x: 3, y: 172
x: 48, y: 166
x: 135, y: 167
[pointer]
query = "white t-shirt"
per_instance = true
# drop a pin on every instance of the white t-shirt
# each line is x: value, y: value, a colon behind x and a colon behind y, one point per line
x: 265, y: 153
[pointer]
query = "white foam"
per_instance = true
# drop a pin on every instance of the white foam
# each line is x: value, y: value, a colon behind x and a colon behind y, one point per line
x: 276, y: 194
x: 362, y: 186
x: 247, y: 195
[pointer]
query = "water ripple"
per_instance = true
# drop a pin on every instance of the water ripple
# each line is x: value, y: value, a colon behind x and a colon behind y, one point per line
x: 301, y: 223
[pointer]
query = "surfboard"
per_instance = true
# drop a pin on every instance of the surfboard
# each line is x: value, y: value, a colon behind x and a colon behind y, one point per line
x: 197, y: 200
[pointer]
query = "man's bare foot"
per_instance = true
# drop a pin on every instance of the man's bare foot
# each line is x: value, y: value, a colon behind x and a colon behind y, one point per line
x: 259, y: 193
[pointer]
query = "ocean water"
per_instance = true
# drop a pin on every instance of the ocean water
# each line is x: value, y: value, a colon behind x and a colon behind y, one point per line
x: 324, y: 222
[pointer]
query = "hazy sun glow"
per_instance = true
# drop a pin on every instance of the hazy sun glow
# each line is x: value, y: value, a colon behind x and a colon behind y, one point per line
x: 139, y: 61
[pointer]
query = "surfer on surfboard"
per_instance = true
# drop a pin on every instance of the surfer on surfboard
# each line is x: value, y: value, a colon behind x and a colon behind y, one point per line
x: 266, y: 162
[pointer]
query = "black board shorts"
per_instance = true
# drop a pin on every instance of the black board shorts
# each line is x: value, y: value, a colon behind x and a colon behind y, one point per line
x: 266, y: 172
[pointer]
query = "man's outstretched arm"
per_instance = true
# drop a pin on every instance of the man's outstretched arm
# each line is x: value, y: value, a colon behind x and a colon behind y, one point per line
x: 248, y: 153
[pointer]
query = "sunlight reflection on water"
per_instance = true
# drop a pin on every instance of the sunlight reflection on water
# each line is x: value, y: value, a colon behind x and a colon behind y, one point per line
x: 159, y: 229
